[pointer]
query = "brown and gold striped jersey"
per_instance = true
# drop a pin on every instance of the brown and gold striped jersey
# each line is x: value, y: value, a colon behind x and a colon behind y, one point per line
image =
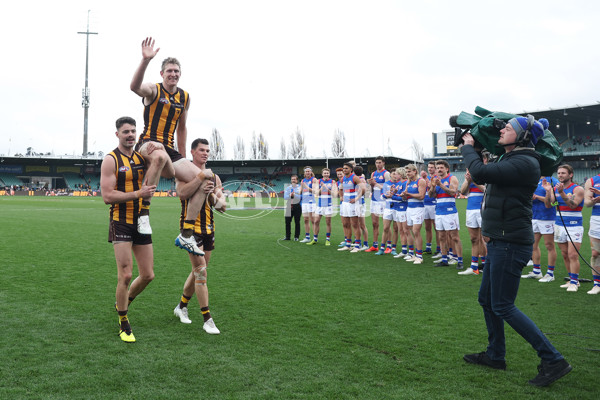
x: 130, y: 175
x: 162, y: 115
x: 205, y: 223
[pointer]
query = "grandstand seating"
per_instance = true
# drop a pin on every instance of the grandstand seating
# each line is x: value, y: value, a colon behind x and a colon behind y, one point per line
x: 73, y: 180
x: 460, y: 175
x: 573, y: 149
x: 581, y: 174
x: 165, y: 185
x: 94, y: 181
x: 10, y: 179
x: 243, y: 181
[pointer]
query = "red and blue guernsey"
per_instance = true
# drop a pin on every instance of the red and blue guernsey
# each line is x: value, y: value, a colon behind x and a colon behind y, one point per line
x: 540, y: 211
x: 571, y: 217
x: 307, y: 194
x: 474, y: 198
x: 376, y: 193
x: 596, y: 184
x: 428, y: 201
x: 390, y: 203
x: 401, y: 203
x: 325, y: 196
x: 412, y: 187
x: 349, y: 187
x: 445, y: 204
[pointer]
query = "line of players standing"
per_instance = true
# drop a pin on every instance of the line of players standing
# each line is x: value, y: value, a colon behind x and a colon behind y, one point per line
x: 404, y: 200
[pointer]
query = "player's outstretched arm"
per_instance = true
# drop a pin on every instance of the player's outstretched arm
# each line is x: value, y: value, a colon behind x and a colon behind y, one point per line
x: 146, y: 90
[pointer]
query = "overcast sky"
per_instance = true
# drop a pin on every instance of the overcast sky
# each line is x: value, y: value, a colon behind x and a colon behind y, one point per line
x: 380, y: 71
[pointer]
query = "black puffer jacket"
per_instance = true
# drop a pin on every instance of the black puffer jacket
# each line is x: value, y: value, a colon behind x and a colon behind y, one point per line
x: 506, y: 209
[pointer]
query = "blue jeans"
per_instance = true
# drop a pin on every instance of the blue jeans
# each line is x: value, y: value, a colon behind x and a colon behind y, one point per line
x: 497, y: 294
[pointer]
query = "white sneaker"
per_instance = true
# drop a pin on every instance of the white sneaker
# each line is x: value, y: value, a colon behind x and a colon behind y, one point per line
x: 530, y: 263
x: 345, y: 248
x: 546, y: 278
x: 452, y: 261
x: 595, y: 290
x: 469, y: 271
x: 400, y: 255
x: 305, y: 240
x: 437, y: 255
x: 188, y: 244
x: 572, y: 287
x: 532, y: 275
x: 182, y: 313
x: 566, y: 285
x: 355, y: 250
x: 408, y: 256
x: 364, y: 248
x: 144, y: 225
x: 210, y: 327
x: 418, y: 260
x: 438, y: 261
x: 410, y: 259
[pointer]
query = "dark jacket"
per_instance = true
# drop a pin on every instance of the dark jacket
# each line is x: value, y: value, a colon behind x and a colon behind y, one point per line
x: 511, y: 180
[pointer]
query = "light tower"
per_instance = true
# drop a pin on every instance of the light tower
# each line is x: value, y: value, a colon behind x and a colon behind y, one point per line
x: 85, y: 95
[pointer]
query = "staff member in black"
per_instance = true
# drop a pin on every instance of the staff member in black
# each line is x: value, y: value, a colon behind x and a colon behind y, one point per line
x: 293, y: 209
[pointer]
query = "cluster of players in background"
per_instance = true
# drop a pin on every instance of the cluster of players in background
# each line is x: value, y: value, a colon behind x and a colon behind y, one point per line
x: 403, y: 200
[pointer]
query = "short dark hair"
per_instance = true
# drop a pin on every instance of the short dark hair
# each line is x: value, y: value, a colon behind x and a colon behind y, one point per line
x: 444, y: 163
x: 358, y: 170
x: 196, y: 142
x: 381, y: 158
x: 431, y: 162
x: 349, y: 164
x: 124, y: 120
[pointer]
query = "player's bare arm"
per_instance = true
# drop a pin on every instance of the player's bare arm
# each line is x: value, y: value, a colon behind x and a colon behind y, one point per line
x: 588, y: 198
x: 182, y: 131
x: 216, y: 198
x: 435, y: 182
x: 464, y: 188
x: 185, y: 190
x: 146, y: 90
x: 108, y: 181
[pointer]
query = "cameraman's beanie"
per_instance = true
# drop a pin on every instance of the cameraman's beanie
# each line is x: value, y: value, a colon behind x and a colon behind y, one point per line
x: 519, y: 124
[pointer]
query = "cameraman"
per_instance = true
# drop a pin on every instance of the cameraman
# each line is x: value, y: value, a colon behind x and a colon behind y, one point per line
x: 506, y: 228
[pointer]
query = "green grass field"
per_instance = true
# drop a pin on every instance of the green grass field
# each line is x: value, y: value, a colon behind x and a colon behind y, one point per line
x: 297, y: 322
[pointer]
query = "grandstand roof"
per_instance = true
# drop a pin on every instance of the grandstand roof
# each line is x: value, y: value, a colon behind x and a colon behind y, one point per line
x: 577, y: 115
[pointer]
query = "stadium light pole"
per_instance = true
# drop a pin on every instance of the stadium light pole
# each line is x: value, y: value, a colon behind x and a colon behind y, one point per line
x: 85, y: 96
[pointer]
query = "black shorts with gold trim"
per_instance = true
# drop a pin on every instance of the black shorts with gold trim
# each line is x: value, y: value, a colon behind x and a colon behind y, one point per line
x: 206, y: 241
x: 173, y: 154
x: 122, y: 232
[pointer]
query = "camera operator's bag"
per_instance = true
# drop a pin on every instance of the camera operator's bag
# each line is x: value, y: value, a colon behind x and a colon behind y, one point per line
x: 484, y: 131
